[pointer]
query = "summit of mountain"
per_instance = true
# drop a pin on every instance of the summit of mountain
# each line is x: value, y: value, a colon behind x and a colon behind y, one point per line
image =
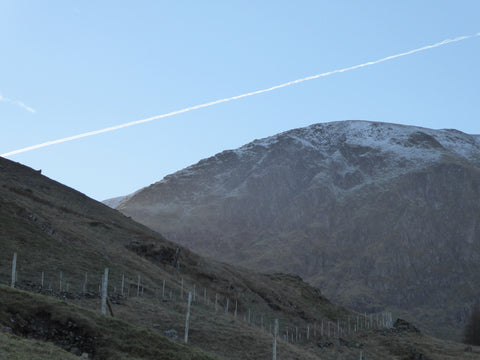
x: 377, y: 215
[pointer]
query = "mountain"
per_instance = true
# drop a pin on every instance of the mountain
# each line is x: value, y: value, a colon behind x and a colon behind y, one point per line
x: 116, y: 201
x: 65, y: 240
x: 377, y: 215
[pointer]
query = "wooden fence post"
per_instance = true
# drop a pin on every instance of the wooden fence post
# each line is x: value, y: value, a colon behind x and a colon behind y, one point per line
x: 226, y: 307
x: 138, y: 285
x: 14, y: 270
x: 275, y: 334
x: 187, y: 318
x: 123, y: 285
x: 104, y: 292
x: 43, y: 278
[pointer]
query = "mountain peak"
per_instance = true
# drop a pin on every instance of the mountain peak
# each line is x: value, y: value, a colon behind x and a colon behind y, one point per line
x: 368, y: 151
x: 368, y: 211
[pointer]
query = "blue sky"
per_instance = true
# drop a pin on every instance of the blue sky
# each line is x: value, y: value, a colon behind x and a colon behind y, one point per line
x: 83, y: 66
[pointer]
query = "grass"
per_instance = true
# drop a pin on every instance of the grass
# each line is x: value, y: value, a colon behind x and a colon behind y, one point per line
x: 16, y: 348
x: 35, y: 316
x: 89, y: 236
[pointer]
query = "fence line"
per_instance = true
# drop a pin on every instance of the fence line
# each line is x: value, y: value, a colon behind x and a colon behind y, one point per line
x: 346, y: 326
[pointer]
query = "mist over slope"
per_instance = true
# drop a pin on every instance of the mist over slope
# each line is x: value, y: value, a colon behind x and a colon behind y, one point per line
x: 375, y: 214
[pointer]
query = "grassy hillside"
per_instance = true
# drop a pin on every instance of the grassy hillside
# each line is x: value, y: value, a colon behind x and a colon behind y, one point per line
x: 61, y: 233
x: 82, y: 331
x: 68, y: 238
x: 16, y: 348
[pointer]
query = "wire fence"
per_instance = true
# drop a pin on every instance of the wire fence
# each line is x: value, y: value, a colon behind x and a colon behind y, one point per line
x: 120, y: 286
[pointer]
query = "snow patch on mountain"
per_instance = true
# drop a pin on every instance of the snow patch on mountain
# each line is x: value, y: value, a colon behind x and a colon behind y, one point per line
x: 355, y: 153
x: 398, y: 139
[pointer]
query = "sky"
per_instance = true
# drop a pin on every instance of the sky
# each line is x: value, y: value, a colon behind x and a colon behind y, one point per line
x: 69, y: 67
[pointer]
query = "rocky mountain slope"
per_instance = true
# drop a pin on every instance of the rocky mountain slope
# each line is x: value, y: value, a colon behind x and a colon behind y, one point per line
x: 64, y: 241
x: 377, y: 215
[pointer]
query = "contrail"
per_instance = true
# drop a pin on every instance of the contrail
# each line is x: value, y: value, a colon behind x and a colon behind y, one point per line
x: 17, y: 102
x: 370, y: 63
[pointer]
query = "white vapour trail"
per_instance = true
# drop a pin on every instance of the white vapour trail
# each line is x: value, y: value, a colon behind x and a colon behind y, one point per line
x: 370, y: 63
x: 26, y: 107
x: 17, y: 102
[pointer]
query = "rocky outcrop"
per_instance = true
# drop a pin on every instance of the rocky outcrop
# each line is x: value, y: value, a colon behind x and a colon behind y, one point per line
x: 402, y: 325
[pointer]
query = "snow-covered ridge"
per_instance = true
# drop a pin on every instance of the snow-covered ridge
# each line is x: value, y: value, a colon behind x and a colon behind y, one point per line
x: 402, y: 147
x: 382, y: 136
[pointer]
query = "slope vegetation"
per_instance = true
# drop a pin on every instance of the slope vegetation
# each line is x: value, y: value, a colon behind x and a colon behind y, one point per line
x: 64, y: 241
